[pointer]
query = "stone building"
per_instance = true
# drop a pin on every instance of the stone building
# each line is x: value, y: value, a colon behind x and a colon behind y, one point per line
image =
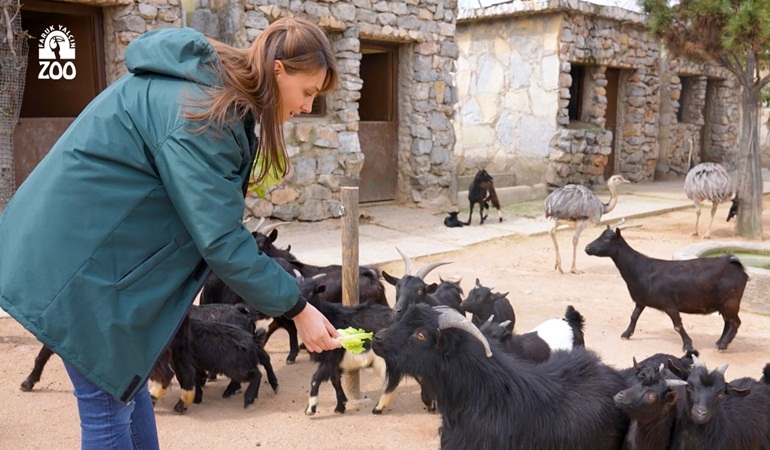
x: 564, y: 91
x: 387, y: 126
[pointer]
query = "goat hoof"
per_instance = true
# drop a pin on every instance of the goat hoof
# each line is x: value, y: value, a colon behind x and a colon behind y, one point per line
x: 180, y: 408
x: 290, y: 360
x: 340, y: 409
x: 376, y: 411
x: 626, y: 335
x: 247, y: 402
x: 27, y: 385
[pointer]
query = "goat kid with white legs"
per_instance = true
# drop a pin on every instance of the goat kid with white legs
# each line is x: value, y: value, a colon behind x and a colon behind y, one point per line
x: 489, y: 400
x: 695, y: 286
x: 369, y: 316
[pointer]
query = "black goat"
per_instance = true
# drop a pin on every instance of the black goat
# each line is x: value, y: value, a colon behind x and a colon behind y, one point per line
x: 482, y: 303
x: 213, y: 339
x: 492, y: 400
x: 219, y: 347
x: 412, y: 289
x: 651, y: 404
x: 482, y: 192
x: 452, y: 221
x: 368, y: 316
x: 718, y: 414
x: 696, y: 286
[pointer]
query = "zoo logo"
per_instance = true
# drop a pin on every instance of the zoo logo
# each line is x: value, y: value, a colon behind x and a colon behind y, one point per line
x: 56, y: 53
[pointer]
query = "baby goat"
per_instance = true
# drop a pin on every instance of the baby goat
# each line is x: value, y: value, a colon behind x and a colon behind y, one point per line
x: 483, y: 304
x: 696, y: 286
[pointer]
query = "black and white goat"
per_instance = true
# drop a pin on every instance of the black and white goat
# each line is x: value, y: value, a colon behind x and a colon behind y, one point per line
x: 696, y: 286
x: 492, y: 400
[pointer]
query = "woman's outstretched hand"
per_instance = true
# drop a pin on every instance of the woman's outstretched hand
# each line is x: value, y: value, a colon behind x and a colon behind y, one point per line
x: 315, y: 330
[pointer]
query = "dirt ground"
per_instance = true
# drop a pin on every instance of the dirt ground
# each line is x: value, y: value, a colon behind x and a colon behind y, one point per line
x: 47, y: 417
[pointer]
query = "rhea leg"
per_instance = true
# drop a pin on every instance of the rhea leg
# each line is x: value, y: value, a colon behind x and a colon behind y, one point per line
x: 713, y: 213
x: 575, y: 238
x: 552, y: 233
x: 697, y: 216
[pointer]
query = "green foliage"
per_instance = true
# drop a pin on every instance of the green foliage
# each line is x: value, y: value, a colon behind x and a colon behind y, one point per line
x: 352, y: 339
x: 263, y: 186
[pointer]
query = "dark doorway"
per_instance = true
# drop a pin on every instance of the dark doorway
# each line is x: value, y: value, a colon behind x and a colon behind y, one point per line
x: 611, y: 117
x: 378, y: 128
x: 56, y: 90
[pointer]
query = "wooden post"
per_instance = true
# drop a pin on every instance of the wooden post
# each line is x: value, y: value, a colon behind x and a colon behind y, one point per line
x: 349, y: 197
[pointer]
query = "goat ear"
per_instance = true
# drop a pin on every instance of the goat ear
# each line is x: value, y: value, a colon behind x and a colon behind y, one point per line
x: 670, y: 400
x: 676, y: 370
x: 390, y: 278
x: 478, y: 284
x: 737, y: 392
x: 273, y: 236
x: 431, y: 288
x: 636, y: 364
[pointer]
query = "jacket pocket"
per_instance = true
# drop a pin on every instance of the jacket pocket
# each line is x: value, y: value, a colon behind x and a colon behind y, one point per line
x: 146, y: 265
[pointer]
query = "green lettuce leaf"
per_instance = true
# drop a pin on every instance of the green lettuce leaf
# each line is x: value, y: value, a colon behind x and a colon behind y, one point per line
x: 352, y: 339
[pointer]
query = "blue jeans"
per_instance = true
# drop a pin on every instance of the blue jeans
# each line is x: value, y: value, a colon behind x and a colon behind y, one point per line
x: 108, y: 424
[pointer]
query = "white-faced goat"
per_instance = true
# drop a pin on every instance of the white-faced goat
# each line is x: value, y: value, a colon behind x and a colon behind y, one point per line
x: 368, y: 316
x: 719, y: 414
x: 482, y: 303
x: 412, y: 289
x: 696, y: 286
x: 491, y: 400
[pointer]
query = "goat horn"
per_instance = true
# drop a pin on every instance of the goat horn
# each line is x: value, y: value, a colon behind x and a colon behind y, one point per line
x: 696, y: 362
x: 272, y: 226
x: 675, y: 383
x: 505, y: 323
x: 424, y: 271
x: 617, y: 225
x: 298, y: 276
x: 491, y: 318
x: 450, y: 318
x: 259, y: 224
x: 721, y: 369
x: 318, y: 276
x: 407, y: 262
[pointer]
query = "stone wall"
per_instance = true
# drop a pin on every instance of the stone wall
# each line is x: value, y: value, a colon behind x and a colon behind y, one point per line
x: 647, y: 143
x: 325, y: 151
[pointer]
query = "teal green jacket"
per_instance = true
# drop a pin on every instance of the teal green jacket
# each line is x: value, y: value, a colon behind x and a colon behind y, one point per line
x: 101, y: 248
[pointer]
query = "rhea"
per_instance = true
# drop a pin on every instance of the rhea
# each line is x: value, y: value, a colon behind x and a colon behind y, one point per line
x: 578, y: 206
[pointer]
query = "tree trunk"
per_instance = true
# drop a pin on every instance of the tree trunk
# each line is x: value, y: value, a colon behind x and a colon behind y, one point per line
x: 749, y: 223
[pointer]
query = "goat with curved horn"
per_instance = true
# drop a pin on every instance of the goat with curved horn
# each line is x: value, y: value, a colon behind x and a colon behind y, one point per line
x: 450, y: 318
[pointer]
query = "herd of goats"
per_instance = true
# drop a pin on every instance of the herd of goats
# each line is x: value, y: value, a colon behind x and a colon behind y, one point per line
x: 494, y: 388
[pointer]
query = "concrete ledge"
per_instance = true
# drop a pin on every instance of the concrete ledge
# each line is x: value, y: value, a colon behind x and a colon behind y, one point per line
x: 513, y: 194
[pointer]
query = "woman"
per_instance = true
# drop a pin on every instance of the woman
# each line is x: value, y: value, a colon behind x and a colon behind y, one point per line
x: 105, y: 245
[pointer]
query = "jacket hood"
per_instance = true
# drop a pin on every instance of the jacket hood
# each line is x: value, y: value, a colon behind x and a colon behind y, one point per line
x: 176, y: 52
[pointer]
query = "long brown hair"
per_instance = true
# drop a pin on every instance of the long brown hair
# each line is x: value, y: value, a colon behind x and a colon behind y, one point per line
x: 249, y: 84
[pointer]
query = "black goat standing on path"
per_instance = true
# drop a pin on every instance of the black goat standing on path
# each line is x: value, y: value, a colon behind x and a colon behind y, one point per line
x: 696, y: 286
x: 482, y: 191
